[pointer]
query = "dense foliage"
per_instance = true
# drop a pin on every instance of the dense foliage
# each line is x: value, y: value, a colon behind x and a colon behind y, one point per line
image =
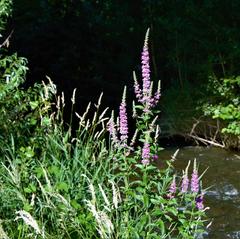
x: 225, y: 104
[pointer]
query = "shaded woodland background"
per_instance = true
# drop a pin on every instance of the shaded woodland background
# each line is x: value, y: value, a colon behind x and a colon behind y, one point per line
x: 95, y: 45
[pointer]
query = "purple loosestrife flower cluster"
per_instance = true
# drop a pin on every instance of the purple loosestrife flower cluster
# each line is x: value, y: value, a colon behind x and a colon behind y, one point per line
x: 199, y: 202
x: 185, y: 180
x: 185, y: 183
x: 137, y: 90
x: 144, y: 95
x: 123, y: 118
x: 146, y: 154
x: 195, y: 179
x: 146, y: 67
x: 111, y: 127
x: 172, y: 189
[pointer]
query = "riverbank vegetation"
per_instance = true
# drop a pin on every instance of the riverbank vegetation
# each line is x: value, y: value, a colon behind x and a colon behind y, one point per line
x: 74, y: 169
x: 98, y: 180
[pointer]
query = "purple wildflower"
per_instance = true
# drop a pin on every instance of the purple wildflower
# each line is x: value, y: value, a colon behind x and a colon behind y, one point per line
x: 195, y: 179
x: 145, y: 70
x: 185, y: 183
x: 172, y: 189
x: 123, y: 118
x: 146, y: 154
x: 155, y: 157
x: 145, y: 95
x: 112, y: 130
x: 137, y: 90
x: 185, y: 180
x: 199, y: 202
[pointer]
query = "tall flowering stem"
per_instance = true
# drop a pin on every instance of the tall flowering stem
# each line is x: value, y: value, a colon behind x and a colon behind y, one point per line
x: 146, y: 154
x: 145, y: 95
x: 123, y: 118
x: 185, y: 180
x: 172, y: 188
x: 137, y: 90
x: 146, y: 67
x: 195, y: 179
x: 111, y: 127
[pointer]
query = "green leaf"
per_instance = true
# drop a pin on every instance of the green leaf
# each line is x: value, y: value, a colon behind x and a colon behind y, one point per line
x: 62, y: 186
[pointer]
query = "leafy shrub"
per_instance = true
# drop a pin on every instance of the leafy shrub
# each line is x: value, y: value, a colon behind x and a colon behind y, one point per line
x: 23, y: 112
x: 5, y: 12
x: 226, y: 103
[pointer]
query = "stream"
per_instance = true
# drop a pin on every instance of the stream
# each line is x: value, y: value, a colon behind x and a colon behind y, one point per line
x: 222, y: 179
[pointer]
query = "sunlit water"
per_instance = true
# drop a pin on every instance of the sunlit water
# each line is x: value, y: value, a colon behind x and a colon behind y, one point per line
x: 223, y: 178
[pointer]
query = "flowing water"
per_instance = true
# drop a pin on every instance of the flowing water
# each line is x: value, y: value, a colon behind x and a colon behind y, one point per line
x: 223, y: 178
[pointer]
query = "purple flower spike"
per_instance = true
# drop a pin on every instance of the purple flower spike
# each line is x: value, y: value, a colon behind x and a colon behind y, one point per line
x: 157, y: 95
x: 145, y: 95
x: 123, y: 118
x: 112, y: 130
x: 185, y: 183
x: 146, y: 99
x: 146, y: 154
x: 145, y: 70
x: 195, y: 180
x: 172, y: 189
x: 185, y: 180
x: 199, y: 202
x: 137, y: 90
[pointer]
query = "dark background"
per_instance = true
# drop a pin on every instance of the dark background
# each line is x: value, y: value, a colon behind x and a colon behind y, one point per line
x: 95, y: 45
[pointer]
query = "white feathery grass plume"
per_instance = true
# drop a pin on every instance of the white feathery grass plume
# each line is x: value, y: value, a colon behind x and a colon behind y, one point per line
x: 101, y: 132
x: 152, y: 125
x: 87, y: 124
x: 44, y: 192
x: 52, y: 86
x: 94, y: 118
x: 99, y: 100
x: 104, y: 195
x: 82, y: 118
x: 33, y: 199
x: 91, y: 188
x: 93, y: 210
x: 46, y: 95
x: 47, y: 179
x: 106, y: 222
x: 103, y: 113
x: 157, y: 133
x: 29, y: 220
x: 13, y: 173
x: 173, y: 157
x: 105, y: 226
x: 134, y: 138
x: 116, y: 195
x: 73, y: 96
x: 63, y: 100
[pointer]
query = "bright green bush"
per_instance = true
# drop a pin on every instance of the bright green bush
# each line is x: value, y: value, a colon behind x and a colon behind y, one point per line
x: 5, y: 12
x: 225, y: 105
x: 23, y: 112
